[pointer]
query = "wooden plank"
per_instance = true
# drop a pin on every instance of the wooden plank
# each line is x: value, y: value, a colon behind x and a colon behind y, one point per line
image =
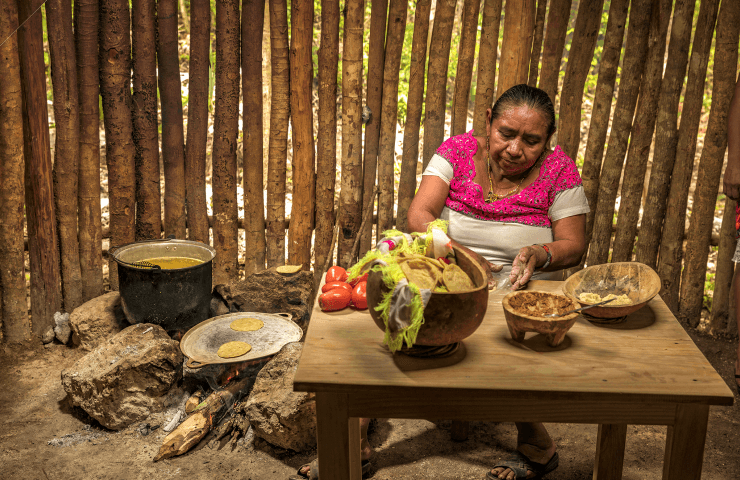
x: 516, y: 46
x: 338, y: 450
x: 685, y: 440
x: 610, y: 444
x: 649, y: 358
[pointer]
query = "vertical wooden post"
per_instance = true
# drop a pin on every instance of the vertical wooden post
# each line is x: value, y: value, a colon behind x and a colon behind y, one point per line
x: 13, y: 309
x: 725, y: 271
x: 487, y: 54
x: 42, y: 240
x: 710, y: 166
x: 601, y: 111
x: 279, y: 116
x: 666, y: 134
x: 579, y: 62
x: 465, y: 59
x: 88, y: 191
x: 375, y: 61
x: 326, y: 151
x: 642, y: 135
x: 253, y: 15
x: 146, y: 123
x: 516, y: 46
x: 629, y: 87
x: 389, y: 122
x: 115, y: 80
x: 410, y: 159
x: 350, y: 198
x: 197, y: 136
x: 301, y: 79
x: 671, y: 243
x: 67, y: 146
x: 552, y: 50
x: 539, y: 33
x: 439, y: 59
x: 173, y: 138
x: 225, y: 133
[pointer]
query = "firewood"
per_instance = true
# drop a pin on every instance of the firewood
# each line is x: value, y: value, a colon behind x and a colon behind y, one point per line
x: 190, y: 432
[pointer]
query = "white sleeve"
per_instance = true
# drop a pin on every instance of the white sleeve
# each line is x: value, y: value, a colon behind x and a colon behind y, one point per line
x: 568, y: 203
x: 439, y: 167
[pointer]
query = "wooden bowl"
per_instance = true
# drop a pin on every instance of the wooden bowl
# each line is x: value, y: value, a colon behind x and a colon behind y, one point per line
x: 538, y: 304
x: 448, y: 317
x: 636, y: 280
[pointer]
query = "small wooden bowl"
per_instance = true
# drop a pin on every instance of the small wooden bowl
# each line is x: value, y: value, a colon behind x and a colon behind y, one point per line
x: 636, y: 280
x: 554, y: 329
x: 448, y: 317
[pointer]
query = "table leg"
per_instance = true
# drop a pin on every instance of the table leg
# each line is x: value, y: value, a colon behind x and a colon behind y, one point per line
x: 610, y: 451
x: 459, y: 430
x: 684, y: 451
x: 338, y: 438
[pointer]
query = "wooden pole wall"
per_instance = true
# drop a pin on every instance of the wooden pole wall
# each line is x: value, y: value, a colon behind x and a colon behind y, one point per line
x: 539, y: 34
x: 13, y: 310
x: 516, y: 46
x: 671, y: 244
x: 197, y: 133
x: 464, y: 75
x: 720, y: 314
x: 326, y: 140
x: 88, y: 191
x: 410, y: 156
x: 487, y: 54
x: 301, y: 114
x: 710, y: 166
x: 40, y: 220
x: 666, y: 134
x: 253, y: 184
x: 552, y: 49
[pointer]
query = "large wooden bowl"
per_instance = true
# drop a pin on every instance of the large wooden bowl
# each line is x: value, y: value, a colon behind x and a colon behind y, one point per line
x: 636, y: 280
x: 448, y: 317
x: 519, y: 322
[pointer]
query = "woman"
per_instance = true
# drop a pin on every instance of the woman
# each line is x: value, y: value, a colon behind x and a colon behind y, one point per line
x: 519, y: 208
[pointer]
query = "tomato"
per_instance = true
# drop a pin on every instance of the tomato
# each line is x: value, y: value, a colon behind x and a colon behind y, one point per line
x: 333, y: 285
x: 336, y: 274
x: 336, y: 299
x: 359, y: 296
x: 361, y: 278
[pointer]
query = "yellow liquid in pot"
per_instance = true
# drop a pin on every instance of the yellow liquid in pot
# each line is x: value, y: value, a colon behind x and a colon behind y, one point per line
x: 171, y: 263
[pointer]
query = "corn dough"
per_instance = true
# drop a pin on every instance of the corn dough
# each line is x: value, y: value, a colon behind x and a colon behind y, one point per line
x: 587, y: 297
x: 247, y: 324
x: 233, y: 349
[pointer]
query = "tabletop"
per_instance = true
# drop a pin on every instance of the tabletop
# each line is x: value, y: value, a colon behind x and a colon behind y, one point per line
x: 649, y: 357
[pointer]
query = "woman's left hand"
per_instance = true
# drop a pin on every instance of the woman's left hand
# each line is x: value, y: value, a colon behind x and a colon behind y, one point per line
x: 523, y: 266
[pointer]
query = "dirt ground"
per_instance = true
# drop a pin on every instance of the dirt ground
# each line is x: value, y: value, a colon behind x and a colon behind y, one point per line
x: 42, y: 437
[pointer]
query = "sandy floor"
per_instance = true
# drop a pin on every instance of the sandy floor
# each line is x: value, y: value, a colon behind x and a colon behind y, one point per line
x: 42, y: 437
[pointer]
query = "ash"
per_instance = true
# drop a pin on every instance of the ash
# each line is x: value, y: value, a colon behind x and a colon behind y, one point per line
x: 89, y: 434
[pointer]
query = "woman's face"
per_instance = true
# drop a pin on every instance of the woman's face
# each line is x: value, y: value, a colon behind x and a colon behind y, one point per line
x: 518, y: 137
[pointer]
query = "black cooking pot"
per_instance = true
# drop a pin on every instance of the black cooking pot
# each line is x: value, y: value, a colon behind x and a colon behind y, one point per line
x: 175, y: 299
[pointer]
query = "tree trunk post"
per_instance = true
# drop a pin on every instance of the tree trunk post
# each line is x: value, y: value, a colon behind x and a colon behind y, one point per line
x: 304, y: 175
x: 487, y: 55
x: 414, y: 107
x: 552, y: 50
x: 710, y: 166
x: 253, y: 15
x: 13, y: 309
x: 720, y: 316
x: 539, y: 33
x: 464, y: 76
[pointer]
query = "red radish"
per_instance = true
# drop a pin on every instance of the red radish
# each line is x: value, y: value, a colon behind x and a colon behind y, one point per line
x: 361, y: 278
x: 336, y: 299
x: 332, y: 285
x: 359, y: 296
x: 336, y: 274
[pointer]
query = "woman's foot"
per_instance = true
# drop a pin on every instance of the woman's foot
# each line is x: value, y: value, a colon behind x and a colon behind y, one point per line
x: 533, y: 455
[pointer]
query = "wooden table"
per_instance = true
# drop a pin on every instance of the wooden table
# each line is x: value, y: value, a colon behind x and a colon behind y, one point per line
x: 645, y: 371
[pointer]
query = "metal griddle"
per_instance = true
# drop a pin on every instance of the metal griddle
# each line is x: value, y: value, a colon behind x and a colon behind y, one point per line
x: 201, y: 342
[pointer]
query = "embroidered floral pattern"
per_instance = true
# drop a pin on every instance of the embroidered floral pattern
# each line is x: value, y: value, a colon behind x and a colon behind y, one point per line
x: 530, y: 206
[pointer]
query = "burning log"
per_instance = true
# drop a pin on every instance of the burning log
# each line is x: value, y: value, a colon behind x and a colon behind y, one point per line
x: 190, y: 432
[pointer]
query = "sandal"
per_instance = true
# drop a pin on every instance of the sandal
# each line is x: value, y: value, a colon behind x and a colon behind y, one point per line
x: 519, y: 464
x: 313, y: 470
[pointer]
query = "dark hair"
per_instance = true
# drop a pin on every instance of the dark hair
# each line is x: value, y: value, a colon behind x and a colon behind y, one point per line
x: 524, y: 95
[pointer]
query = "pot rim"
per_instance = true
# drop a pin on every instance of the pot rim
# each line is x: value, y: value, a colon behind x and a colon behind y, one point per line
x: 119, y: 250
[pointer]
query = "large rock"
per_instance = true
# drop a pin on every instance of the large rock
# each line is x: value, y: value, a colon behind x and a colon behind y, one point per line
x: 279, y: 415
x: 121, y: 381
x: 97, y: 320
x: 271, y: 292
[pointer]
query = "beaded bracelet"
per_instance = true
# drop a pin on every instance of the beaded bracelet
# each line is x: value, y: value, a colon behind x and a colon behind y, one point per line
x: 549, y: 256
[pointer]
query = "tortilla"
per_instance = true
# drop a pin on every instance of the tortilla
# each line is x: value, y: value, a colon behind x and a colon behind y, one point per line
x: 247, y: 324
x: 233, y: 349
x: 421, y: 272
x: 288, y: 269
x: 456, y: 280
